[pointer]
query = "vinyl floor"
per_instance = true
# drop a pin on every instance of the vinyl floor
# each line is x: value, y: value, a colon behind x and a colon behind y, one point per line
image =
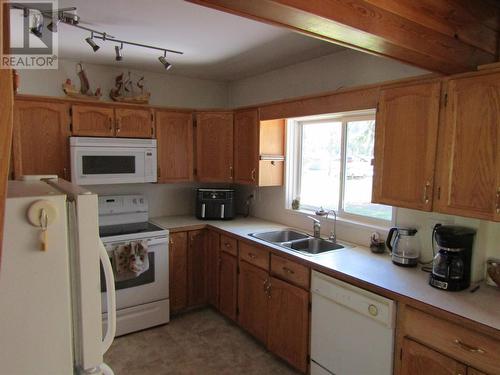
x: 198, y: 342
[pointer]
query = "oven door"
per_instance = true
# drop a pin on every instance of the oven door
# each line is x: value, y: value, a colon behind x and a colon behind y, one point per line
x: 112, y: 165
x: 150, y: 286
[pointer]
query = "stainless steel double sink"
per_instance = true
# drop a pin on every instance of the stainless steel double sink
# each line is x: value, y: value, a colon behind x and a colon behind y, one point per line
x: 300, y: 242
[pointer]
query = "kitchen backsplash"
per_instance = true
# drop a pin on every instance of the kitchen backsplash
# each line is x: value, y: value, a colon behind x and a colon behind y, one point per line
x: 269, y: 203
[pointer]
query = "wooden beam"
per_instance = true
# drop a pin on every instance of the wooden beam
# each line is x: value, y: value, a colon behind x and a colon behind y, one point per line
x: 6, y: 109
x: 445, y: 36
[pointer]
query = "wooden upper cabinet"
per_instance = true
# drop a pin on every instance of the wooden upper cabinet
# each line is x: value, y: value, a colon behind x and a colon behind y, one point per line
x: 174, y: 132
x: 93, y: 121
x: 417, y: 359
x: 134, y: 123
x: 289, y: 323
x: 469, y: 149
x: 40, y: 138
x: 246, y: 146
x: 405, y: 146
x: 214, y: 146
x: 177, y: 255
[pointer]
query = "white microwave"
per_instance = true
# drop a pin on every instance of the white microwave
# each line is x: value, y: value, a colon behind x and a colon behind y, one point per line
x: 97, y: 161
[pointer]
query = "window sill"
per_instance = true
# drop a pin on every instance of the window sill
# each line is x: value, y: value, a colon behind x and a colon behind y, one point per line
x: 344, y: 221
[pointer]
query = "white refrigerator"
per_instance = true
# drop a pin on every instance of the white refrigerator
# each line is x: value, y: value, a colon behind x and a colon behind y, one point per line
x: 50, y: 295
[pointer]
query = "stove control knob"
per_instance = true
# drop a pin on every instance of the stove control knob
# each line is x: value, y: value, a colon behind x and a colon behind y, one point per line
x: 134, y: 201
x: 141, y: 201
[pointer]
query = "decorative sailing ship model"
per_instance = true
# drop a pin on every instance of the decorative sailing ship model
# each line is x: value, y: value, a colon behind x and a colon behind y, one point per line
x: 84, y: 92
x: 125, y: 91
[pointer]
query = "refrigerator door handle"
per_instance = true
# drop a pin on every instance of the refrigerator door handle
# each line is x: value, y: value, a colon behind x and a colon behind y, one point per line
x: 110, y: 298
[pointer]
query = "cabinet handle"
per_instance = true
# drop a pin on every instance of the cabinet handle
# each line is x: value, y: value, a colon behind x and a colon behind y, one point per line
x: 110, y: 124
x: 498, y: 201
x: 469, y: 348
x: 65, y: 173
x: 426, y: 191
x: 231, y: 172
x: 171, y: 243
x: 269, y: 288
x: 251, y: 255
x: 288, y: 270
x: 227, y: 245
x: 253, y: 174
x: 118, y: 126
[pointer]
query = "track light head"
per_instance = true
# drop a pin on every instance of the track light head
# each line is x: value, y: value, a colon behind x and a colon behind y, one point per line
x: 37, y: 30
x: 36, y: 24
x: 53, y: 26
x: 165, y: 63
x: 118, y: 52
x: 91, y: 43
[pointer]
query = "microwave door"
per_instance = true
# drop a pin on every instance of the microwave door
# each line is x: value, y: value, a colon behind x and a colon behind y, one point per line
x: 93, y: 166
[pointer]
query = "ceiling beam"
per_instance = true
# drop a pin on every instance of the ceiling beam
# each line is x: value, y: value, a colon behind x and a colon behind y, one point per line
x: 444, y: 36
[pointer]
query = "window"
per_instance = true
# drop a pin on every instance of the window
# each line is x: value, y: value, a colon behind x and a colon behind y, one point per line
x: 332, y: 165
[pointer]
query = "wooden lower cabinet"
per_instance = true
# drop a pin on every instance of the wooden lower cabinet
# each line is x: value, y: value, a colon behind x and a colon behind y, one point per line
x: 228, y: 285
x: 197, y: 273
x: 418, y: 359
x: 178, y: 259
x: 213, y: 261
x: 288, y: 334
x: 253, y: 300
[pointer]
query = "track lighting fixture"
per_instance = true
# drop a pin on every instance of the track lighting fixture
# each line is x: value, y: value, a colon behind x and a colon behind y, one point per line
x: 90, y: 41
x: 69, y: 17
x: 164, y: 61
x: 118, y: 52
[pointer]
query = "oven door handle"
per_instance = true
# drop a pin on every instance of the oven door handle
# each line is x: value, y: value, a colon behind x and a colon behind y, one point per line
x: 110, y: 298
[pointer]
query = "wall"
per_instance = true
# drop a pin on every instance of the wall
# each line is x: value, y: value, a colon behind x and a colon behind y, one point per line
x: 166, y: 89
x: 346, y: 68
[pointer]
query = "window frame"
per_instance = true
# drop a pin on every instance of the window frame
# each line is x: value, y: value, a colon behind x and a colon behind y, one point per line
x: 294, y: 163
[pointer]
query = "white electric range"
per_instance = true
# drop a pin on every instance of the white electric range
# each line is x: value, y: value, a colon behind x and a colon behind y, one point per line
x: 141, y: 301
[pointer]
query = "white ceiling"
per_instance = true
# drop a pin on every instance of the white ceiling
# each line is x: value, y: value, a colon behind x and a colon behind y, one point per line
x: 216, y: 45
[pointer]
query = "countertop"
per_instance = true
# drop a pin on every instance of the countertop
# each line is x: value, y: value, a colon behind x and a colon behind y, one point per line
x: 373, y: 270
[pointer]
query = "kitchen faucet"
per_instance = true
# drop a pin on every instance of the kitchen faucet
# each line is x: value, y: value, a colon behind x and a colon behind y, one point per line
x: 321, y: 212
x: 316, y: 227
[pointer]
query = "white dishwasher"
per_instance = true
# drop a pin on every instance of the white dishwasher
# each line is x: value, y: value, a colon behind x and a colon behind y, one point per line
x: 352, y: 330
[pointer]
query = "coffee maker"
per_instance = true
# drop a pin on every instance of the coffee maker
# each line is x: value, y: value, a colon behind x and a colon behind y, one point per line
x: 451, y: 266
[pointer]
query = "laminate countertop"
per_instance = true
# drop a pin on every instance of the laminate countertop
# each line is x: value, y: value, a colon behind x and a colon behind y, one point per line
x: 359, y: 265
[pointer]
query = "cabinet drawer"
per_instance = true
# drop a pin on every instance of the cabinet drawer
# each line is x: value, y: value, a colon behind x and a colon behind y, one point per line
x: 229, y: 245
x: 290, y: 271
x: 472, y: 348
x: 254, y: 255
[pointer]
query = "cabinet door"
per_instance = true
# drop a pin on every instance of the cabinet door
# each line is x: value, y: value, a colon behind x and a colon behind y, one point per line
x: 405, y: 146
x: 133, y: 123
x: 174, y: 132
x: 246, y: 146
x: 253, y: 300
x: 93, y: 121
x: 228, y: 285
x: 289, y: 323
x: 213, y: 261
x: 178, y: 271
x: 470, y: 148
x: 40, y: 138
x: 419, y: 360
x: 197, y: 274
x: 214, y: 147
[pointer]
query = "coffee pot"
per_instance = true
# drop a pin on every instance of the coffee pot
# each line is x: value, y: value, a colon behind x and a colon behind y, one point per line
x: 404, y: 246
